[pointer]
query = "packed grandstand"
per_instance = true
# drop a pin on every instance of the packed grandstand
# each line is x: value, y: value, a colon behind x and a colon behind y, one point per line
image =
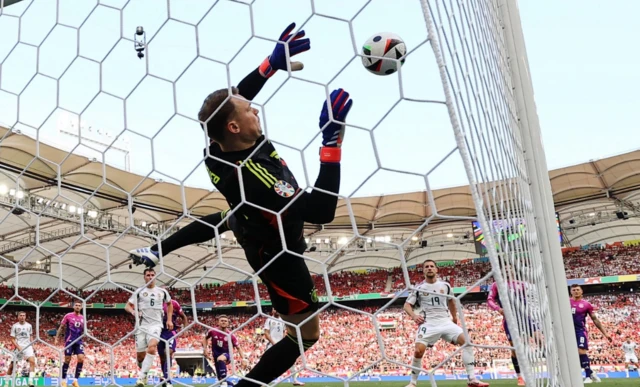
x: 349, y: 342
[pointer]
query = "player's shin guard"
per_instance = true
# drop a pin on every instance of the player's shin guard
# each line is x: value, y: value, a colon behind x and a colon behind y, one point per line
x: 469, y: 361
x: 221, y: 369
x: 417, y: 363
x: 65, y: 370
x: 516, y: 365
x: 79, y: 369
x: 276, y: 361
x: 586, y: 364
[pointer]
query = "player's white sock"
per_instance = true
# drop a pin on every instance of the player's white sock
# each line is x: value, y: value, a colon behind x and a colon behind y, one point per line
x: 294, y: 374
x: 146, y: 364
x: 414, y: 374
x: 468, y: 359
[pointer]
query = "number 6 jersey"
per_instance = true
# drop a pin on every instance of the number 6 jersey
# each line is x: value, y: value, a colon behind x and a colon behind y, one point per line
x: 431, y: 301
x: 150, y: 302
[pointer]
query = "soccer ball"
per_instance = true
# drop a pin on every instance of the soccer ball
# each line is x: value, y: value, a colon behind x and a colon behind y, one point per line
x: 383, y: 45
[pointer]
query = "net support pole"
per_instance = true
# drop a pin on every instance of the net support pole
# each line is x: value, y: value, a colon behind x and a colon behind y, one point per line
x: 543, y: 208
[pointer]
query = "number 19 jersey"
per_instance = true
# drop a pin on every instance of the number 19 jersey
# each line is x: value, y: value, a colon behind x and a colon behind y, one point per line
x: 432, y: 301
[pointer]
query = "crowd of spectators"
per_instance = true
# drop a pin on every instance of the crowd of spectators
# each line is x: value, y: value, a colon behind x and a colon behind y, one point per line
x: 579, y: 263
x: 348, y: 342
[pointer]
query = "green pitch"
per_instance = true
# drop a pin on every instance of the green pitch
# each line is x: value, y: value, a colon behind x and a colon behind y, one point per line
x: 510, y: 382
x: 632, y: 382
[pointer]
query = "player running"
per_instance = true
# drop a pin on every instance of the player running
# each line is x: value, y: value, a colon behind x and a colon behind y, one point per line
x: 437, y: 318
x: 149, y: 300
x: 73, y: 327
x: 21, y: 339
x: 220, y: 347
x: 580, y: 309
x: 629, y: 348
x: 274, y: 332
x: 241, y: 153
x: 168, y: 338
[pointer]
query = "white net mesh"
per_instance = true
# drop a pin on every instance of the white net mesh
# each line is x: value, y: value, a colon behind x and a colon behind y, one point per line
x: 101, y: 154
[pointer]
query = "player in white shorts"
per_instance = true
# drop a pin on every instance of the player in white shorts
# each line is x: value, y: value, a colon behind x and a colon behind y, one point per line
x: 629, y: 349
x: 274, y: 332
x: 21, y: 333
x: 149, y: 300
x: 437, y: 318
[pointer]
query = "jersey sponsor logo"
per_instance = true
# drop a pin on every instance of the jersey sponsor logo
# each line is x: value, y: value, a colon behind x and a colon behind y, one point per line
x: 284, y: 189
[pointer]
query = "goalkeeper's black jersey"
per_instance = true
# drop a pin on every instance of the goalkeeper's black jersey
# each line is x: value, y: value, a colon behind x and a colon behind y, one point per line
x: 268, y: 183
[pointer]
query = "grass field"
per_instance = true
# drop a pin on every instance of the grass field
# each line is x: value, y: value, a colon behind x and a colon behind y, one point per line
x: 635, y: 382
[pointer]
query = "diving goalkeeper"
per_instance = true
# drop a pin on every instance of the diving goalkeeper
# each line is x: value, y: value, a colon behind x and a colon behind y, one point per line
x: 268, y: 183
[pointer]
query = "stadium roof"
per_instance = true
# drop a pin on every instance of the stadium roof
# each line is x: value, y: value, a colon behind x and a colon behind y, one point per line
x: 590, y: 192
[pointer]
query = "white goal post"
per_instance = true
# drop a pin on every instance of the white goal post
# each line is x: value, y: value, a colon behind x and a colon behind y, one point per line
x: 481, y: 56
x: 540, y: 186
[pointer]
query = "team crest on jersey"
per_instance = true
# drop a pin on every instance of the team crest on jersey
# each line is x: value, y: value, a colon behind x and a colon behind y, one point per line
x: 284, y: 189
x: 442, y: 291
x: 145, y: 294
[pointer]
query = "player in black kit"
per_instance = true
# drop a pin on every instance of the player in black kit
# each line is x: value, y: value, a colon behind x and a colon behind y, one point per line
x: 241, y: 156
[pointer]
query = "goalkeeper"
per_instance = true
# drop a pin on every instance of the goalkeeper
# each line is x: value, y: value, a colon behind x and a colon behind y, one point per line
x: 268, y: 183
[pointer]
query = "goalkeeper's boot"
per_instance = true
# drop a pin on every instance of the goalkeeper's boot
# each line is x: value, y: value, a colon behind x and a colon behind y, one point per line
x: 144, y: 256
x: 476, y: 383
x: 521, y: 381
x: 595, y: 378
x: 75, y: 383
x: 63, y: 383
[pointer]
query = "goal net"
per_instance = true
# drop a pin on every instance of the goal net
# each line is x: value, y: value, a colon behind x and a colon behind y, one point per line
x: 101, y: 153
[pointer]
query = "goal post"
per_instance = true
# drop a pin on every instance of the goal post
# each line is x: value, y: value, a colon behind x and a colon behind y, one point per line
x: 540, y: 186
x: 481, y: 57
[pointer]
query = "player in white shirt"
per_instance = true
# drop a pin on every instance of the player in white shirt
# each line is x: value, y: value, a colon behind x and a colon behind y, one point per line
x: 274, y: 330
x: 21, y: 333
x: 437, y: 318
x: 629, y: 349
x: 149, y: 301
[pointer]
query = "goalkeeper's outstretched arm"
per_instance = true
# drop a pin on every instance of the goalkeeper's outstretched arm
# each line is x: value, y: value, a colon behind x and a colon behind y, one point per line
x: 319, y: 207
x: 251, y: 85
x: 316, y: 207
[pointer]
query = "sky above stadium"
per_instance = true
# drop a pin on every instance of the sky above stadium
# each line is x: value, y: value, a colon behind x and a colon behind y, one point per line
x: 584, y: 75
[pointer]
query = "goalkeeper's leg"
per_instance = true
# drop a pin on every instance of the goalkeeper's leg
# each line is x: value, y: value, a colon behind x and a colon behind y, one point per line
x: 293, y: 295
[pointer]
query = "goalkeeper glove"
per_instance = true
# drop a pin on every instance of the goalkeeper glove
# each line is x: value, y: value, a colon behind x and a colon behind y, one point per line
x: 278, y: 58
x: 333, y: 131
